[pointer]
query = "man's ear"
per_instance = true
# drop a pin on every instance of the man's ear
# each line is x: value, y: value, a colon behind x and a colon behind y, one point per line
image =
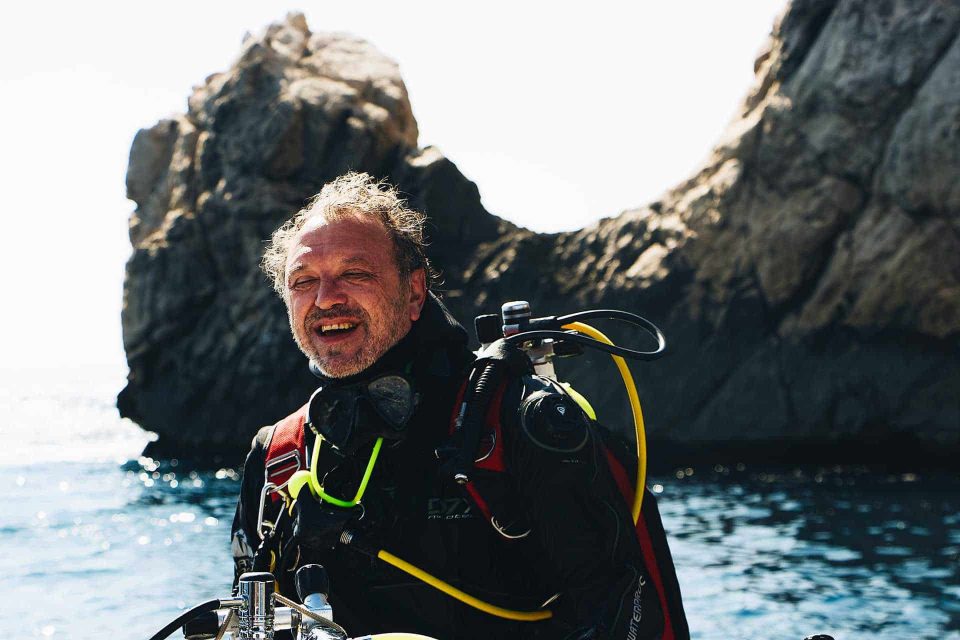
x: 418, y: 293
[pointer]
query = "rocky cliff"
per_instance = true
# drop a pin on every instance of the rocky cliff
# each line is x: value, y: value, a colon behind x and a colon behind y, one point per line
x: 807, y: 277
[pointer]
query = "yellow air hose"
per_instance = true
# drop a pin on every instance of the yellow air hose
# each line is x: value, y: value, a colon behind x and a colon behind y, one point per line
x: 466, y: 598
x: 634, y: 407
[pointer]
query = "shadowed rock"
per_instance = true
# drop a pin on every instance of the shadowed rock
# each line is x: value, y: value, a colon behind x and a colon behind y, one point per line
x: 807, y: 277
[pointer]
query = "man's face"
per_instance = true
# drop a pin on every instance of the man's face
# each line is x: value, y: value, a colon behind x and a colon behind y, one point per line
x: 345, y: 297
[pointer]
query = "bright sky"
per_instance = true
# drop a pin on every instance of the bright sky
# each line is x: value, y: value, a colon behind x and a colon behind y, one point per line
x: 560, y: 115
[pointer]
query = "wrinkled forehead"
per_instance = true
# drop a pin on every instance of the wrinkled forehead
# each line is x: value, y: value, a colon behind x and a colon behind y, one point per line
x: 323, y: 218
x: 342, y: 237
x: 328, y: 218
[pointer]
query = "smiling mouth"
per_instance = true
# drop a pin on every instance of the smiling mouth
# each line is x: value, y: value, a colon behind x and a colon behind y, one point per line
x: 333, y: 329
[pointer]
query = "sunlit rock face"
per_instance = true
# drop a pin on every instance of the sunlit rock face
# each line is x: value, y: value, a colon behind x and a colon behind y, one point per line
x: 206, y: 338
x: 807, y: 277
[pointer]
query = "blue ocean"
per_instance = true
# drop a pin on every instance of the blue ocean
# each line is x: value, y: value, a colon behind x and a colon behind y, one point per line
x: 98, y: 542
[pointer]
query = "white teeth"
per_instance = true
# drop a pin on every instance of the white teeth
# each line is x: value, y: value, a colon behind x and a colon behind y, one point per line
x: 333, y: 327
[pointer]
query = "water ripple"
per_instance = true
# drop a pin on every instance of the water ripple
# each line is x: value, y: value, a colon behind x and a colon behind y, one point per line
x: 766, y: 553
x: 783, y: 554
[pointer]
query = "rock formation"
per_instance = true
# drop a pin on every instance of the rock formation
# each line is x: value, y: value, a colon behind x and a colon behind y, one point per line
x: 206, y: 338
x: 807, y: 277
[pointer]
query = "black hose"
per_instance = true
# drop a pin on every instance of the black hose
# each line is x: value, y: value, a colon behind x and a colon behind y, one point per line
x: 185, y: 617
x: 590, y: 342
x: 550, y: 329
x: 474, y: 418
x: 610, y: 314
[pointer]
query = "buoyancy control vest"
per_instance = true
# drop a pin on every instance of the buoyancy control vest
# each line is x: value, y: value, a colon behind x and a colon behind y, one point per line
x: 490, y: 489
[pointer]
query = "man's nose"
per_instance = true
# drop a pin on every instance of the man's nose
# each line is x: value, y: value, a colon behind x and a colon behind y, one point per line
x: 329, y: 294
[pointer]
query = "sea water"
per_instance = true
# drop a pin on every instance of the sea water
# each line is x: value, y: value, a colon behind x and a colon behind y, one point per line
x: 98, y: 542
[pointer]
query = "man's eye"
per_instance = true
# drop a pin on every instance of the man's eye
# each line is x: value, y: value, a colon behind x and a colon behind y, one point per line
x: 302, y: 283
x: 356, y: 275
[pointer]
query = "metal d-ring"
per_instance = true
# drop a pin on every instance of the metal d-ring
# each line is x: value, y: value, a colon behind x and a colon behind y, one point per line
x: 496, y: 525
x: 267, y: 487
x: 493, y: 446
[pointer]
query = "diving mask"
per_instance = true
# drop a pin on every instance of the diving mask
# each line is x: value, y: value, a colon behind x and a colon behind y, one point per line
x: 350, y: 416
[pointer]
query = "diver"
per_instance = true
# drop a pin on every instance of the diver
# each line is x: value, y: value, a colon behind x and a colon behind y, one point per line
x: 540, y: 539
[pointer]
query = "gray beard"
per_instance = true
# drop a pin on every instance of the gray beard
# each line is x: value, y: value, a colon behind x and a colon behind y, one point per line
x: 367, y: 355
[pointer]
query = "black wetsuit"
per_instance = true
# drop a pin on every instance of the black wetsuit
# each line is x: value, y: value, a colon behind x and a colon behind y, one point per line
x: 582, y: 545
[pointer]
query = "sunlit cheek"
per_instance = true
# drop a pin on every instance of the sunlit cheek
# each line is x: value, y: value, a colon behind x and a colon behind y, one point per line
x: 297, y: 310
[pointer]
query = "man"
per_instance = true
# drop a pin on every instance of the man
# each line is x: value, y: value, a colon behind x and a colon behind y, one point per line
x: 352, y: 271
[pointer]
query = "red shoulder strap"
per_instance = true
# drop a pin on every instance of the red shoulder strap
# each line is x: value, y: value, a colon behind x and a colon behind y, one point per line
x: 491, y: 444
x: 493, y: 461
x: 285, y: 453
x: 646, y: 545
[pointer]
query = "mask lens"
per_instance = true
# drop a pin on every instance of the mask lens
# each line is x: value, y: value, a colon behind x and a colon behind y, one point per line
x: 393, y: 399
x: 331, y: 414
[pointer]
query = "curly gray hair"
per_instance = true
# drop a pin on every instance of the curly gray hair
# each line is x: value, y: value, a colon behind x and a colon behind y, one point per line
x: 360, y: 195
